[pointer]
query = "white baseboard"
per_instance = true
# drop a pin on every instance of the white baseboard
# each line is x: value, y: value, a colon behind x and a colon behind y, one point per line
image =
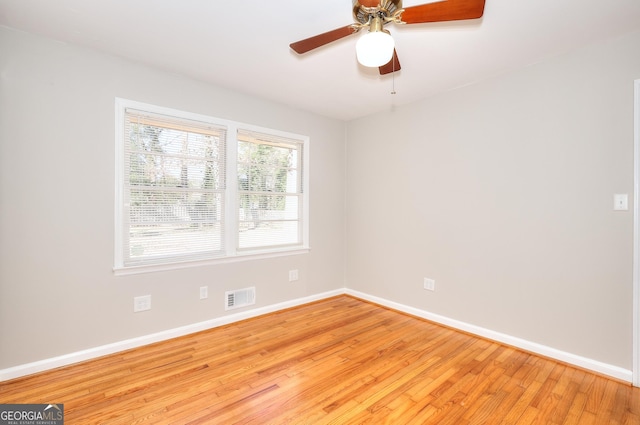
x: 79, y: 356
x: 92, y: 353
x: 572, y: 359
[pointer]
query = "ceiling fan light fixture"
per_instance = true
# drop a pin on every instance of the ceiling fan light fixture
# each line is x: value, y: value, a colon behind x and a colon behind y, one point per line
x: 375, y: 48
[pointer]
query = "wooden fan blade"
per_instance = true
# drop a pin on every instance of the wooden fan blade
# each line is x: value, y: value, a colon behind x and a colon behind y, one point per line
x: 449, y: 10
x: 392, y: 66
x: 303, y: 46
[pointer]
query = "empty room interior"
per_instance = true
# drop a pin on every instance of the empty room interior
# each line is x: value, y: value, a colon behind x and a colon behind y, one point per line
x: 214, y: 213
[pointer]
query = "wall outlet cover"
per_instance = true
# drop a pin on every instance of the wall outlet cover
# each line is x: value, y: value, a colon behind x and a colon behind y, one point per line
x: 204, y: 292
x: 429, y: 284
x: 142, y: 303
x: 293, y: 275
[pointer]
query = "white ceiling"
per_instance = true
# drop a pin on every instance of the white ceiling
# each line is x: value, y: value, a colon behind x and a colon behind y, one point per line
x: 244, y: 44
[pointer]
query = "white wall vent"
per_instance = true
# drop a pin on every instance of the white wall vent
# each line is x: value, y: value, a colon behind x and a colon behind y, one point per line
x: 239, y: 298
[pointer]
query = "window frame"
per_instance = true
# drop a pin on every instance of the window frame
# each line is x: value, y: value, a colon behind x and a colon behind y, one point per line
x: 259, y: 139
x: 231, y: 229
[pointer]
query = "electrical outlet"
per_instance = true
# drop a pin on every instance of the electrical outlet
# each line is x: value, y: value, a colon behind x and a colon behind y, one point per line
x: 142, y: 303
x: 293, y: 275
x: 204, y: 292
x: 429, y: 284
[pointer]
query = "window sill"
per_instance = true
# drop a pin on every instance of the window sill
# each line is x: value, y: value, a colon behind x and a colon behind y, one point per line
x: 245, y: 256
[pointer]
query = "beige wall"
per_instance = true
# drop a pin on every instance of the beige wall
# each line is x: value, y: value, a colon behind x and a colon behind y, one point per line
x: 58, y: 293
x: 503, y: 193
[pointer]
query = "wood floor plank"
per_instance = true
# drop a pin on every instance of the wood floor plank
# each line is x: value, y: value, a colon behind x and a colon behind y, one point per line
x: 336, y: 361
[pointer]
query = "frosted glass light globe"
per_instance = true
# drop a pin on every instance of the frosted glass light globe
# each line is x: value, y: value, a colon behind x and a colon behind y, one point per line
x: 375, y: 49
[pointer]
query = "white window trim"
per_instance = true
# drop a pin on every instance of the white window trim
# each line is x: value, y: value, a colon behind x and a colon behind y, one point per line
x: 232, y: 255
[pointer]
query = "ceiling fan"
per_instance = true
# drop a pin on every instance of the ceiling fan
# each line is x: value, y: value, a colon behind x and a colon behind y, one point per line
x: 376, y: 48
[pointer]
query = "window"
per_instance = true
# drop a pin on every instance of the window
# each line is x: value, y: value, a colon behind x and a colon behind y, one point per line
x: 269, y: 191
x: 191, y: 188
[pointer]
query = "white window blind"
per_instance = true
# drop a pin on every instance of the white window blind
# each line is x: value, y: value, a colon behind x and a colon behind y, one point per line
x: 270, y: 191
x: 174, y: 189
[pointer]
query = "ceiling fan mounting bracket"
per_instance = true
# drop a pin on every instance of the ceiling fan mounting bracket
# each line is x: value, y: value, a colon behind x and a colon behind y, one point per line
x: 386, y: 10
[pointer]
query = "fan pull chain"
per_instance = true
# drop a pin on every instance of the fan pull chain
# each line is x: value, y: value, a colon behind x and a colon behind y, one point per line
x: 393, y: 75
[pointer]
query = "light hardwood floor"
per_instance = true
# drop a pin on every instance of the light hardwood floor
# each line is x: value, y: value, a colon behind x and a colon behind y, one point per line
x: 336, y: 361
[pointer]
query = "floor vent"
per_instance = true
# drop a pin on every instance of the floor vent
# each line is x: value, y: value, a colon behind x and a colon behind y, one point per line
x: 240, y: 298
